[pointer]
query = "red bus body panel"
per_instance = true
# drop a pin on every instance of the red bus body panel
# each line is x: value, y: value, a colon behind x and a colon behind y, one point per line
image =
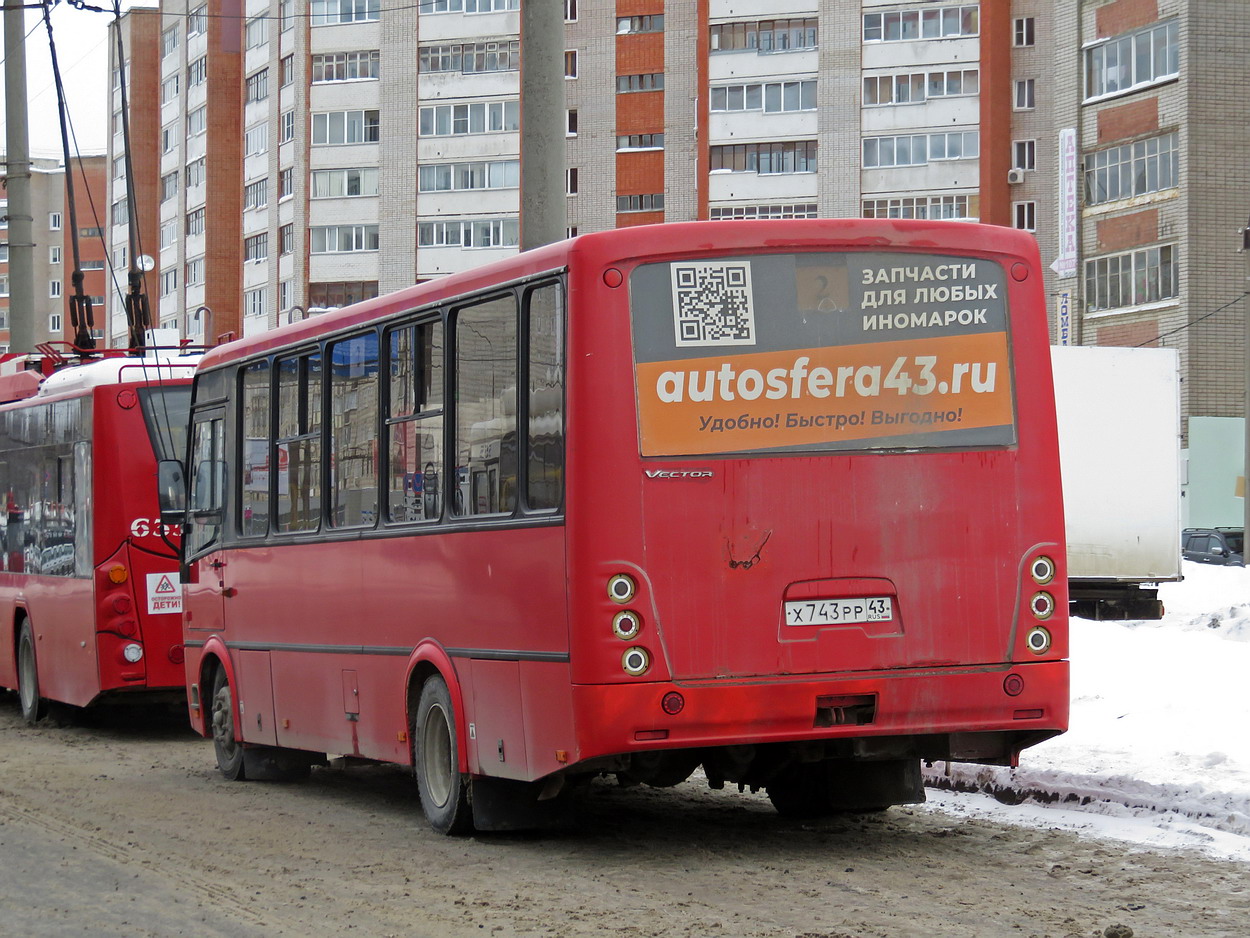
x: 522, y: 618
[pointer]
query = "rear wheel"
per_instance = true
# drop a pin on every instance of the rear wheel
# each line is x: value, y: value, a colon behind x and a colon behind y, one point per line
x: 436, y: 753
x: 227, y: 746
x: 34, y: 707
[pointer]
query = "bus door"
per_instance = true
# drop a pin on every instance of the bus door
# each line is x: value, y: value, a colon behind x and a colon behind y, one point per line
x: 204, y: 576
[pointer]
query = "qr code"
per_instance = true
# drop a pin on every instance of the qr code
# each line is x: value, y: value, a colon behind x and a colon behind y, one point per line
x: 712, y: 303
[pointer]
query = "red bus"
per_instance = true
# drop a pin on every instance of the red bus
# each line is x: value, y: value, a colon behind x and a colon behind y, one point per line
x: 779, y: 500
x: 89, y: 600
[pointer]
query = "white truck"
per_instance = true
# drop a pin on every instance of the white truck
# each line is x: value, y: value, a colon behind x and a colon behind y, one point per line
x: 1119, y: 449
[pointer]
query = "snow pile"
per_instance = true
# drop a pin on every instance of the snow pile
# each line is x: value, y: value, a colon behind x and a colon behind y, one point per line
x: 1160, y: 727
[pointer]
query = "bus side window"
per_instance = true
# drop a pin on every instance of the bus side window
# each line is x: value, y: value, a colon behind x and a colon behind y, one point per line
x: 545, y: 440
x: 354, y: 384
x: 256, y: 455
x: 414, y: 424
x: 208, y: 477
x: 486, y: 391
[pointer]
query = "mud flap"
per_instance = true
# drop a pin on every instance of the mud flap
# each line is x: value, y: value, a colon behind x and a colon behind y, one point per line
x: 270, y: 764
x: 501, y: 804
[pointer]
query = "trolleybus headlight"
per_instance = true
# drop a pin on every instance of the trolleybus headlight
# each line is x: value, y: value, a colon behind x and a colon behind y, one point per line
x: 1038, y: 640
x: 621, y: 588
x: 636, y: 660
x: 133, y: 653
x: 626, y: 624
x: 1043, y: 570
x: 1043, y: 605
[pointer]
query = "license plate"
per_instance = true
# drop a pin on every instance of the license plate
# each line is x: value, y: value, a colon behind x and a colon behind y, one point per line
x: 839, y: 611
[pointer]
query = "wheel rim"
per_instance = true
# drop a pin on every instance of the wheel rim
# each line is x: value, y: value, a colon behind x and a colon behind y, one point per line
x: 436, y: 755
x: 223, y: 723
x: 26, y: 676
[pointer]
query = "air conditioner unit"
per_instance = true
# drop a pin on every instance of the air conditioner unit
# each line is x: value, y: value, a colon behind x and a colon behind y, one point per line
x: 1015, y: 177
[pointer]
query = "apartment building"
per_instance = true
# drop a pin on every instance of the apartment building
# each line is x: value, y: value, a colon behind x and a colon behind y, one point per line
x: 315, y: 154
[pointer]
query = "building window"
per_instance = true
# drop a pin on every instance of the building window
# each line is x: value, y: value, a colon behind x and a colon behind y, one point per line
x: 254, y: 302
x: 54, y: 289
x: 652, y: 81
x: 169, y: 137
x: 449, y: 177
x: 196, y: 171
x: 626, y: 25
x: 640, y: 142
x: 935, y: 206
x: 1024, y: 154
x: 918, y: 87
x: 570, y: 122
x: 197, y: 21
x: 477, y: 118
x: 651, y: 202
x: 1131, y: 169
x: 197, y: 121
x: 339, y: 183
x: 469, y: 233
x: 168, y: 234
x: 54, y: 254
x: 54, y: 323
x: 258, y: 86
x: 1025, y: 215
x: 950, y: 22
x: 197, y: 72
x: 169, y: 89
x: 338, y: 127
x: 751, y: 212
x: 54, y: 221
x: 195, y: 271
x: 286, y: 132
x: 286, y: 182
x: 503, y: 56
x: 91, y: 265
x: 286, y: 239
x: 1025, y: 94
x: 195, y: 222
x: 789, y: 156
x: 286, y: 290
x: 256, y: 140
x: 343, y: 239
x: 120, y: 214
x: 764, y: 36
x: 1133, y: 60
x: 256, y: 32
x: 469, y: 6
x: 919, y: 149
x: 346, y: 66
x: 4, y: 291
x: 169, y: 185
x: 1131, y: 279
x: 169, y: 41
x: 570, y: 63
x: 331, y: 12
x: 256, y: 194
x: 570, y: 11
x: 286, y: 15
x: 256, y: 247
x: 286, y: 70
x: 169, y: 281
x: 570, y: 181
x: 91, y: 232
x: 1024, y: 32
x: 770, y: 97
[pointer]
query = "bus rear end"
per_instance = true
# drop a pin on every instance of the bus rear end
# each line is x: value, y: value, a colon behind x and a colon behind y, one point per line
x: 823, y: 538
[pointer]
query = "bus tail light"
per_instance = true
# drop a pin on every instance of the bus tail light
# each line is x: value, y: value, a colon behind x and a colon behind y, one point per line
x: 1038, y: 640
x: 118, y: 574
x: 636, y: 661
x: 133, y: 653
x: 626, y: 624
x: 122, y: 604
x: 1043, y: 605
x: 1042, y: 570
x: 622, y: 588
x: 1013, y: 685
x: 672, y: 703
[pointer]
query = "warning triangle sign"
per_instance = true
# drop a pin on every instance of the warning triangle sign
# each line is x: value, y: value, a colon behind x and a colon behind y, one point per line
x: 165, y: 586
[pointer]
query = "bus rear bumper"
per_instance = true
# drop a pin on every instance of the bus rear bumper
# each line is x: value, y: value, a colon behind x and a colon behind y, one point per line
x: 975, y: 714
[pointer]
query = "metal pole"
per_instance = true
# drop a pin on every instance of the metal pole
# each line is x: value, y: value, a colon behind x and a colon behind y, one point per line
x: 17, y: 174
x: 1245, y: 467
x: 544, y: 215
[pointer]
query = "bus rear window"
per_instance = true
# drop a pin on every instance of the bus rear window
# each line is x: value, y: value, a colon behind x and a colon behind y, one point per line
x: 167, y: 412
x: 821, y: 351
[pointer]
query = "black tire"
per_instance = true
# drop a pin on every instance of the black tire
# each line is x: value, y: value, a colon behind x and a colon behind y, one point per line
x: 34, y: 707
x: 436, y: 759
x: 221, y: 716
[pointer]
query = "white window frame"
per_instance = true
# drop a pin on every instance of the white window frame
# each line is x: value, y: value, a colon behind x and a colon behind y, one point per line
x: 1024, y: 215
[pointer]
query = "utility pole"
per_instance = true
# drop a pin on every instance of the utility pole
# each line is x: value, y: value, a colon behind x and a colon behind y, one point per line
x: 17, y: 182
x: 544, y: 212
x: 1245, y: 467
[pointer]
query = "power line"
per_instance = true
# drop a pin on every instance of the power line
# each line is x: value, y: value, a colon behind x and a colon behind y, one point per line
x: 1194, y: 322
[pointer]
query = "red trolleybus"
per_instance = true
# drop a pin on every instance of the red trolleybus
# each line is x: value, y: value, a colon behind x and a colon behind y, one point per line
x: 89, y: 603
x: 779, y: 500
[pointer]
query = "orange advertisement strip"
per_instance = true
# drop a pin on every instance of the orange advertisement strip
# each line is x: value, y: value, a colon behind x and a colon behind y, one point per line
x: 812, y: 397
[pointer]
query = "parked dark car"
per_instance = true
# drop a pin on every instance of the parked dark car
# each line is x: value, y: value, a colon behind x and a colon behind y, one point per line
x: 1214, y: 545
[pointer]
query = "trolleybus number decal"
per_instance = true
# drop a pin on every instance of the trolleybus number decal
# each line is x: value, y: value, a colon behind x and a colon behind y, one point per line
x: 839, y: 611
x: 712, y: 304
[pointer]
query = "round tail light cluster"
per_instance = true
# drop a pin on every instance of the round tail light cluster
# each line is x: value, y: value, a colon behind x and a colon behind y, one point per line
x: 626, y: 625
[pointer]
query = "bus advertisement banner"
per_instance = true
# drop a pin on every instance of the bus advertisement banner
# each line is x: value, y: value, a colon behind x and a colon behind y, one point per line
x: 821, y: 351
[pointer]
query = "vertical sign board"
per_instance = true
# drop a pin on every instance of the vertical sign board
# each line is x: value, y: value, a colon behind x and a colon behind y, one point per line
x: 1063, y: 317
x: 1065, y: 263
x: 821, y: 351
